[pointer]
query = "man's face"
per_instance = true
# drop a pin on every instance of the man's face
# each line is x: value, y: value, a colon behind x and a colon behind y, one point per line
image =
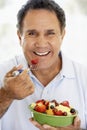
x: 41, y: 37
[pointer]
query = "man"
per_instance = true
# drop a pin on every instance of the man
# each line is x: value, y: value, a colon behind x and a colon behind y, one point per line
x: 41, y: 29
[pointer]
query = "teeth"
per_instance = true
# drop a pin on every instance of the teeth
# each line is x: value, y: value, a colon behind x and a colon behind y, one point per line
x: 42, y: 53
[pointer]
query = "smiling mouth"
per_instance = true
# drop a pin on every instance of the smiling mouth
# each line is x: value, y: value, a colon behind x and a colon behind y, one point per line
x: 42, y: 53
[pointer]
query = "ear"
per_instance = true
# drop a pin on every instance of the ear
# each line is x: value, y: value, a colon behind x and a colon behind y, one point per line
x: 63, y: 33
x: 19, y: 36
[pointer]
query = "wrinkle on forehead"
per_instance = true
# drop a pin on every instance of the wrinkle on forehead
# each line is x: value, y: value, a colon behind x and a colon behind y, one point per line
x: 41, y: 20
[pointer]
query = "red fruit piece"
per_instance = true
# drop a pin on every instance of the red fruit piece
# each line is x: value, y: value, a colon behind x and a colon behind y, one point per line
x: 46, y: 103
x: 65, y: 113
x: 58, y: 112
x: 56, y: 103
x: 40, y: 107
x: 65, y: 103
x: 34, y: 61
x: 42, y: 101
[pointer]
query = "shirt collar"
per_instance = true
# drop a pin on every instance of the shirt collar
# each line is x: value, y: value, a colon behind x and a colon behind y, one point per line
x: 67, y: 67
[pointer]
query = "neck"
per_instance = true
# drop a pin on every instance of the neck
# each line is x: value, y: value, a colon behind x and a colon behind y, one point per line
x: 46, y: 75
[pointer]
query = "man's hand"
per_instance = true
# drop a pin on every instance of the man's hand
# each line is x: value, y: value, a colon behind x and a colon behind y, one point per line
x: 75, y: 126
x: 14, y: 88
x: 18, y: 87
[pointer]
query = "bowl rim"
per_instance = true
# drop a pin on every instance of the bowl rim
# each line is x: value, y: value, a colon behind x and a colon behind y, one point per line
x: 51, y: 115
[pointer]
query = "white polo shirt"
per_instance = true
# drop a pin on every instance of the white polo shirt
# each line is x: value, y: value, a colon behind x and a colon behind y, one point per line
x: 70, y: 84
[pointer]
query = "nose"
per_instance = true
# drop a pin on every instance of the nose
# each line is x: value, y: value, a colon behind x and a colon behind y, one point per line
x: 41, y: 41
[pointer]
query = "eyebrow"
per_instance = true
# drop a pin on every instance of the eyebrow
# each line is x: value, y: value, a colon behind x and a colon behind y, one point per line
x: 30, y: 30
x: 50, y: 30
x: 34, y: 30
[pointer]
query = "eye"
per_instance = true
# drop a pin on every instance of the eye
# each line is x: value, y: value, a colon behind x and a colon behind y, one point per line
x: 31, y: 33
x: 49, y: 33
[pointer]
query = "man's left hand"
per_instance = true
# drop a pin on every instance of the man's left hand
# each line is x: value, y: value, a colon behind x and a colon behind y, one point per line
x: 75, y: 126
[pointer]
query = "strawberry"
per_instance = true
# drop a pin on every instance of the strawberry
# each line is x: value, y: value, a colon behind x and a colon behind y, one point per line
x: 46, y: 104
x: 58, y: 112
x: 40, y: 107
x: 34, y: 61
x: 40, y: 101
x: 65, y: 103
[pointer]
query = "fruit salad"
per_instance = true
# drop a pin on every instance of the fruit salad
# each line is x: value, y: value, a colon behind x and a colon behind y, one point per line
x: 53, y: 107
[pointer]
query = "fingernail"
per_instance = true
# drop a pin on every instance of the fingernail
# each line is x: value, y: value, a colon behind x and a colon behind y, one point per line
x: 45, y: 126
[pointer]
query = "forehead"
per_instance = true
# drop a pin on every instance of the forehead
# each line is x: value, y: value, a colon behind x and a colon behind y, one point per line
x: 40, y: 18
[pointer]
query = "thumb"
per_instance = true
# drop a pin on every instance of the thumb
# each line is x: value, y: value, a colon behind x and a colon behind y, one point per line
x: 77, y: 122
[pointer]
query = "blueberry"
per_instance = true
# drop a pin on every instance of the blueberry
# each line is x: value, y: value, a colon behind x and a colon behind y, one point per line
x: 73, y: 110
x: 51, y: 106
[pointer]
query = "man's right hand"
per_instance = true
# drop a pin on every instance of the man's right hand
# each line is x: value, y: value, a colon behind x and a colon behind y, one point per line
x: 18, y: 87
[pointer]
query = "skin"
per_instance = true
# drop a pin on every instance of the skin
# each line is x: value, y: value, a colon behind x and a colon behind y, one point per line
x: 75, y: 126
x: 41, y: 34
x: 17, y: 87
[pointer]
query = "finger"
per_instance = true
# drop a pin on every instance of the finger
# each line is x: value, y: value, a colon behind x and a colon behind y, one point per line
x: 19, y: 67
x: 77, y: 122
x: 43, y: 127
x: 35, y: 123
x: 47, y: 127
x: 24, y: 75
x: 9, y: 74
